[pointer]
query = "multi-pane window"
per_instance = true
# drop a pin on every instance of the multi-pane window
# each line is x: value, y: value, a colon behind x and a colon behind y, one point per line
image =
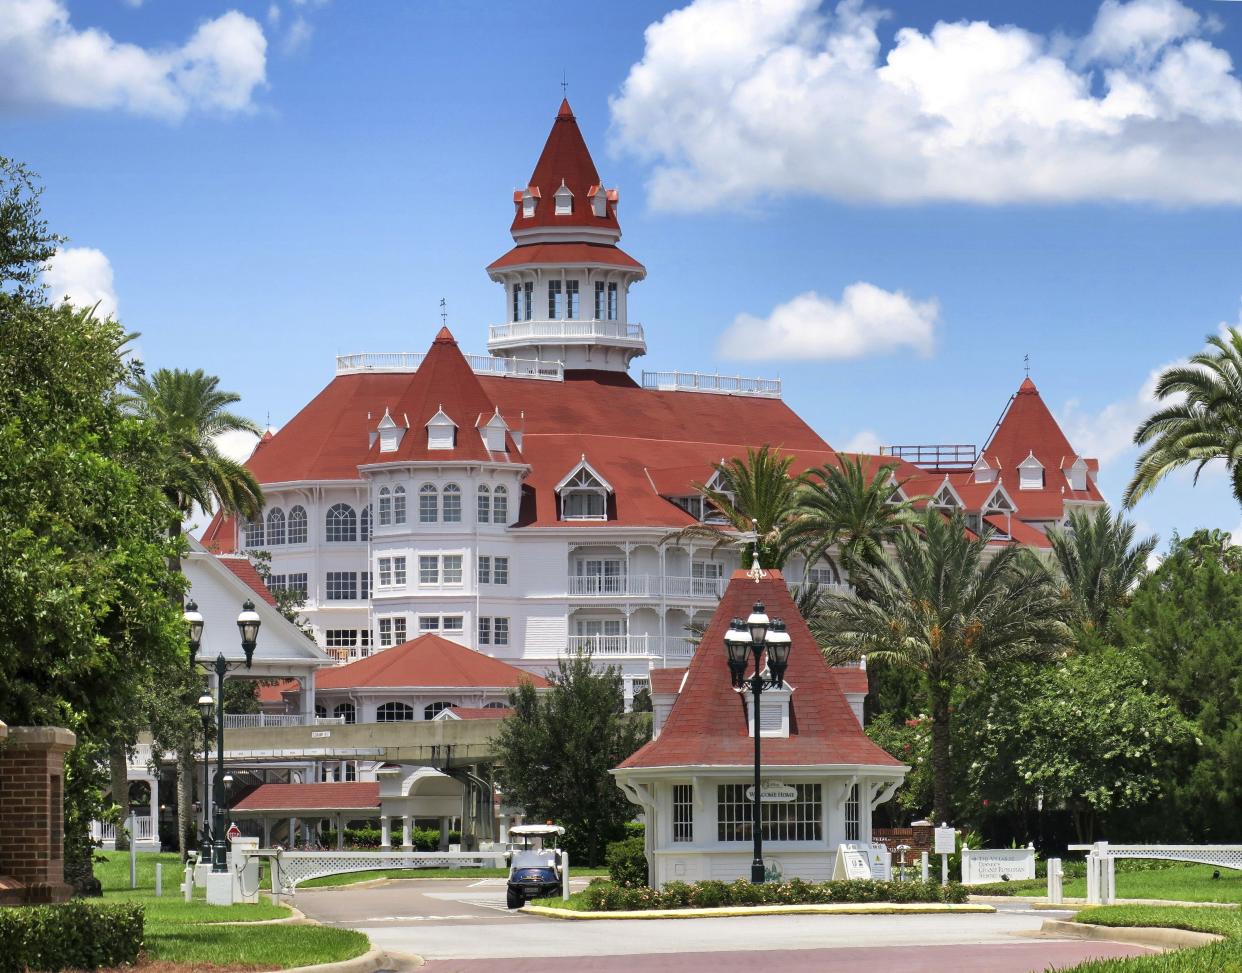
x: 824, y: 575
x: 798, y: 820
x: 391, y: 630
x: 556, y: 303
x: 485, y: 569
x: 517, y: 302
x: 683, y: 812
x: 500, y: 570
x: 391, y: 571
x: 612, y: 301
x: 341, y: 586
x: 346, y: 711
x: 485, y: 630
x: 523, y: 298
x: 297, y: 582
x: 364, y: 642
x: 297, y: 525
x: 429, y: 623
x: 398, y: 505
x: 365, y: 523
x: 364, y: 578
x: 341, y: 638
x: 493, y: 631
x: 275, y: 526
x: 341, y: 524
x: 428, y: 504
x: 599, y: 300
x: 395, y: 713
x: 852, y: 830
x: 431, y: 710
x: 452, y: 504
x: 254, y: 533
x: 573, y: 306
x: 454, y: 624
x: 428, y: 569
x: 500, y: 505
x: 385, y: 506
x: 452, y: 568
x: 485, y: 504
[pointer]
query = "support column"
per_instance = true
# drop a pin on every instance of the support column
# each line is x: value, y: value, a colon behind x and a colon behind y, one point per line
x: 267, y: 832
x: 445, y: 824
x: 385, y: 833
x: 340, y: 833
x: 406, y: 844
x: 155, y: 809
x: 292, y: 836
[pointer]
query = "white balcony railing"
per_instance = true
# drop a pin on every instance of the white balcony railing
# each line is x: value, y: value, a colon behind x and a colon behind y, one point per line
x: 645, y: 586
x: 409, y: 361
x: 769, y: 388
x: 143, y: 829
x: 632, y: 646
x: 578, y: 328
x: 246, y: 721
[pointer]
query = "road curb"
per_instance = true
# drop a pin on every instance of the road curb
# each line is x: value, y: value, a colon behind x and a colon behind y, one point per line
x: 1157, y: 936
x: 828, y: 908
x: 1070, y: 905
x: 370, y: 961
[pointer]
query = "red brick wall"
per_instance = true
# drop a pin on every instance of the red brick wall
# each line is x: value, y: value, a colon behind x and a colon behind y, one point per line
x: 919, y: 840
x: 32, y: 768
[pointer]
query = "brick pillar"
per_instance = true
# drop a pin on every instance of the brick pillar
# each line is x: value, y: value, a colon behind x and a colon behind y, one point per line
x: 32, y: 798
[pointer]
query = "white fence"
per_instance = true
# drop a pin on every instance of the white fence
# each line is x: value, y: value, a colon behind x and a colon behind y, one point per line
x: 143, y: 829
x: 709, y: 382
x: 409, y: 361
x: 646, y: 586
x: 1101, y: 856
x: 244, y: 721
x: 291, y: 868
x: 568, y: 328
x: 627, y: 646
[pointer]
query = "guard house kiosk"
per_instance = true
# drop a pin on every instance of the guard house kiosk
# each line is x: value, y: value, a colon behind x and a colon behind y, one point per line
x: 822, y: 775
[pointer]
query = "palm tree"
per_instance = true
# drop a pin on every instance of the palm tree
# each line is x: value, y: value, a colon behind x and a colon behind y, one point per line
x: 841, y: 507
x: 1100, y: 563
x: 754, y: 496
x: 1201, y: 423
x: 189, y: 410
x: 947, y: 607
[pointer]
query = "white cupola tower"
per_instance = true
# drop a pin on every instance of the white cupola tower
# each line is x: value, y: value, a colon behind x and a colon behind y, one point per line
x: 566, y: 281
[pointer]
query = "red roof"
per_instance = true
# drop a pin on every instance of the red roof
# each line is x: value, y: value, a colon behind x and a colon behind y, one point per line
x: 428, y: 660
x: 666, y: 680
x: 566, y: 254
x: 851, y: 679
x: 708, y: 725
x: 240, y: 565
x: 565, y: 160
x: 275, y: 692
x: 311, y: 797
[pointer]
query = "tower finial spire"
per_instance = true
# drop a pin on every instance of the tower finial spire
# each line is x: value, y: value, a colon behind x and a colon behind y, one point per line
x: 443, y: 313
x: 1026, y: 364
x: 564, y: 84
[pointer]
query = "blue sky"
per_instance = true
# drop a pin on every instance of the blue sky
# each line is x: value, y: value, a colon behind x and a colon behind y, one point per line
x: 271, y: 184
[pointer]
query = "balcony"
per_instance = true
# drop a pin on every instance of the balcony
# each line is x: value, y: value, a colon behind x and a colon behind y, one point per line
x: 667, y: 650
x: 764, y: 388
x: 645, y: 586
x: 250, y: 721
x: 575, y: 331
x: 409, y: 361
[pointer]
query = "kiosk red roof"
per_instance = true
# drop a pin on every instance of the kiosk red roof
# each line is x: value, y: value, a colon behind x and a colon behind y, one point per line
x: 428, y: 660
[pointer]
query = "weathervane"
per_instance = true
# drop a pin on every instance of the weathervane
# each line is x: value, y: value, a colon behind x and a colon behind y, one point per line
x: 443, y: 313
x: 1026, y: 364
x: 564, y: 84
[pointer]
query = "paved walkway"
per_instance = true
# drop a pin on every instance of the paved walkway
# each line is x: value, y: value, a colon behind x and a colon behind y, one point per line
x: 464, y: 926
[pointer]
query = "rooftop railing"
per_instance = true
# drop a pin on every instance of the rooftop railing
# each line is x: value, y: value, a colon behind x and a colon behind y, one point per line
x: 768, y: 388
x: 248, y: 721
x: 575, y: 328
x: 409, y: 361
x: 939, y: 456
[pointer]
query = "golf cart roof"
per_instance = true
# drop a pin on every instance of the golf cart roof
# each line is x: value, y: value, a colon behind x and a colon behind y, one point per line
x: 536, y: 829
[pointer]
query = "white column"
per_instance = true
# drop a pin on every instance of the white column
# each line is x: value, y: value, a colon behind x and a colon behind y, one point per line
x: 267, y: 832
x: 340, y: 833
x: 406, y: 844
x: 155, y: 808
x: 444, y: 834
x: 385, y: 833
x: 308, y: 695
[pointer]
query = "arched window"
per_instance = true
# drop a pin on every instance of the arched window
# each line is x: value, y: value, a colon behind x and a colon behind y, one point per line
x: 485, y: 504
x: 254, y: 533
x: 398, y: 505
x: 365, y: 526
x: 341, y: 524
x: 500, y: 505
x: 346, y: 710
x: 428, y: 504
x: 275, y: 526
x: 431, y: 710
x: 495, y: 705
x: 395, y: 713
x: 297, y: 525
x: 385, y: 507
x: 452, y: 504
x: 321, y: 710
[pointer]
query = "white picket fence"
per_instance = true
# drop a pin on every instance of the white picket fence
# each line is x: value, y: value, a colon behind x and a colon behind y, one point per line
x: 143, y: 830
x: 1102, y: 858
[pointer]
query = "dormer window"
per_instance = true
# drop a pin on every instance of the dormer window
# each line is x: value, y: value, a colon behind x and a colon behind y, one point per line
x: 983, y: 472
x: 530, y: 199
x: 945, y: 497
x: 493, y: 432
x: 584, y: 494
x: 441, y: 431
x: 389, y: 434
x: 998, y: 502
x: 773, y: 712
x: 1030, y: 474
x: 1077, y: 474
x: 599, y: 201
x: 564, y: 200
x: 717, y: 485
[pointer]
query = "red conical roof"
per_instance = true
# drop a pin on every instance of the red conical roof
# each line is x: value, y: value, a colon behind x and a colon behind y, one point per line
x: 707, y: 726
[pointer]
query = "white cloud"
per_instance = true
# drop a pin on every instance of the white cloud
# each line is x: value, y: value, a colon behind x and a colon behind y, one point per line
x: 298, y: 35
x: 236, y: 445
x: 863, y: 441
x: 868, y: 320
x: 273, y: 14
x: 83, y: 277
x: 46, y: 60
x: 735, y: 99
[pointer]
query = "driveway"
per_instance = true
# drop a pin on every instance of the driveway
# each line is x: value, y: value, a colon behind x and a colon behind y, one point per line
x: 463, y: 926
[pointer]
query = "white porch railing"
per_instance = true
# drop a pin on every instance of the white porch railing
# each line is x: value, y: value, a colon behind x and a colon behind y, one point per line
x: 143, y: 829
x: 645, y: 586
x: 1101, y: 856
x: 572, y: 329
x: 245, y: 721
x: 409, y: 361
x: 719, y: 384
x: 632, y: 646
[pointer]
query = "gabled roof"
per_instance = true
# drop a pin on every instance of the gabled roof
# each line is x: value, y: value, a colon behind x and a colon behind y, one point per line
x: 707, y: 725
x: 240, y: 565
x: 582, y: 466
x: 429, y: 661
x: 311, y: 797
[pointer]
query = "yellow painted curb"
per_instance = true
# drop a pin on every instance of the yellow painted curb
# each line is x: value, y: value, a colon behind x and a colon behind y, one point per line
x: 827, y: 908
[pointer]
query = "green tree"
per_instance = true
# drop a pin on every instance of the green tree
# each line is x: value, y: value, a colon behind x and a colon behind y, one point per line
x: 555, y: 752
x: 909, y: 740
x: 1089, y: 735
x: 757, y: 496
x: 946, y: 606
x: 26, y: 243
x: 1100, y: 562
x: 1201, y: 422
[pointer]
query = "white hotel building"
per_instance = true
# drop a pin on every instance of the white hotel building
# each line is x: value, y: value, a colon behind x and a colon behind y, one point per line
x: 522, y: 502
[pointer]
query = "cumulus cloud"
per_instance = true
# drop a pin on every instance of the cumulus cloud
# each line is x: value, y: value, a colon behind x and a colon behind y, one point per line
x: 236, y: 445
x: 46, y: 61
x: 867, y: 320
x: 83, y: 277
x: 863, y: 441
x: 734, y: 100
x: 298, y: 35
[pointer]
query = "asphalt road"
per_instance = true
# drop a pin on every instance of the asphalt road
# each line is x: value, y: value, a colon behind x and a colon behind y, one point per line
x: 464, y: 927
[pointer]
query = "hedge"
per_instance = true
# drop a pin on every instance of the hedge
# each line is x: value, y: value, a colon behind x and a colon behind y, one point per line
x: 627, y: 861
x: 602, y: 896
x: 76, y: 935
x: 423, y: 839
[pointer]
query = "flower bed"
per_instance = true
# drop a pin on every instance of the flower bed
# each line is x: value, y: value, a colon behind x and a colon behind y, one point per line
x: 603, y: 896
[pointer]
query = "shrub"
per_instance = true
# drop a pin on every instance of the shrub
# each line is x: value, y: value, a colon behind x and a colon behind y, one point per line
x: 602, y: 896
x: 76, y: 935
x: 627, y: 862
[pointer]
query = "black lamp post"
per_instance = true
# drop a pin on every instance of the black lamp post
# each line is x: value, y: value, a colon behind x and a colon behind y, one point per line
x: 248, y: 625
x: 746, y: 640
x: 205, y: 706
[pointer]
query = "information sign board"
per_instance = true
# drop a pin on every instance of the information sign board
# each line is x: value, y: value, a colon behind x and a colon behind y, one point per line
x: 852, y: 862
x: 946, y: 841
x: 881, y: 862
x: 772, y: 792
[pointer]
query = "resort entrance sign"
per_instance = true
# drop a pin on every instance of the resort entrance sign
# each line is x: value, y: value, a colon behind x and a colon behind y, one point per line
x: 773, y: 792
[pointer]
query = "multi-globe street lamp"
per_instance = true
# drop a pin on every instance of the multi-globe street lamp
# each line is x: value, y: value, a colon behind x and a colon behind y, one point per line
x: 747, y: 640
x: 206, y: 704
x: 248, y: 625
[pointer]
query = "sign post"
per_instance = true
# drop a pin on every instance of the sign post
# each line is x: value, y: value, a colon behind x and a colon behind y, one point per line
x: 945, y: 845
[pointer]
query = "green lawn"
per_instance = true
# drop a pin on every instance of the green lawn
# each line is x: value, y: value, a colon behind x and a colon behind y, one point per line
x: 353, y: 878
x: 1179, y: 882
x: 1225, y: 957
x: 177, y: 931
